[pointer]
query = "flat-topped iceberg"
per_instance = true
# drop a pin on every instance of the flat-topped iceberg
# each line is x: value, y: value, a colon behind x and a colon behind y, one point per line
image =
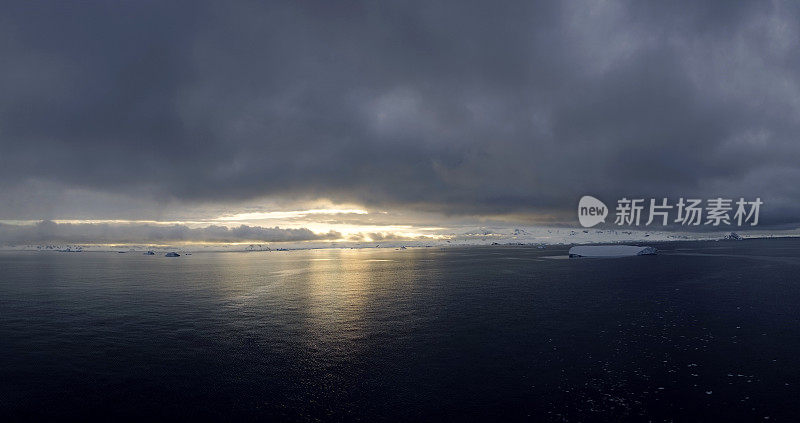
x: 610, y: 251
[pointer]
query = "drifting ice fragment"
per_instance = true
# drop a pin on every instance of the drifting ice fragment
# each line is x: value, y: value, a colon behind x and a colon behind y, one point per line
x: 610, y: 251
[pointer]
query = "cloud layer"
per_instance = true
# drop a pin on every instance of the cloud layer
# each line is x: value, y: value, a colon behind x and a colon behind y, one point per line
x: 92, y: 233
x: 456, y: 107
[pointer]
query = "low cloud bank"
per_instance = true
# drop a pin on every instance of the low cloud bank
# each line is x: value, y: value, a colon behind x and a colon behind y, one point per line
x: 103, y: 233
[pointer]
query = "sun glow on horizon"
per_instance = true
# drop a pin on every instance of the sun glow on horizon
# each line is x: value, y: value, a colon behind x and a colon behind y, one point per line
x: 343, y: 223
x: 287, y: 214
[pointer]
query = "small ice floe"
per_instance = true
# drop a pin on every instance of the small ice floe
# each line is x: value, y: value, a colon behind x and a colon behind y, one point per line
x: 733, y: 236
x: 149, y: 253
x: 610, y: 251
x: 172, y: 254
x: 709, y: 392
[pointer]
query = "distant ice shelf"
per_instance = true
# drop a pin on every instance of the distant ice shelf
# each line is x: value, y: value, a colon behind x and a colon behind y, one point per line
x: 610, y: 251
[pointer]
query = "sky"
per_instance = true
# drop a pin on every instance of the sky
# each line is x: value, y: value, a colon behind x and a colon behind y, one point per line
x: 151, y: 121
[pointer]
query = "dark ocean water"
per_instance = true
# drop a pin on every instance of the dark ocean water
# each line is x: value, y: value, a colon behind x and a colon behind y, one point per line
x: 705, y: 331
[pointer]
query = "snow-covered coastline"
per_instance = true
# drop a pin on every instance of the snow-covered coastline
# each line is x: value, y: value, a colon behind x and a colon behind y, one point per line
x: 482, y: 237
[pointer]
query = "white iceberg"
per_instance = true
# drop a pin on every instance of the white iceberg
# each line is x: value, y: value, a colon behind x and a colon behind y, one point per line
x: 610, y: 251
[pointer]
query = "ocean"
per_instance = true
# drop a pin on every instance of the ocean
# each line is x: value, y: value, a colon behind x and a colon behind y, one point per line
x: 705, y: 331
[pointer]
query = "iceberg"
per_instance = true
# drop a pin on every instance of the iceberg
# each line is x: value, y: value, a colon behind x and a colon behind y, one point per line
x: 610, y: 251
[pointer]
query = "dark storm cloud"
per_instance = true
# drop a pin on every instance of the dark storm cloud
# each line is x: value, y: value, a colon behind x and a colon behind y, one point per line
x: 459, y: 107
x: 102, y: 233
